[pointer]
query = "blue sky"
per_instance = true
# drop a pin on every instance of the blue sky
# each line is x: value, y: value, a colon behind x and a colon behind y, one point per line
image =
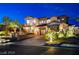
x: 20, y: 11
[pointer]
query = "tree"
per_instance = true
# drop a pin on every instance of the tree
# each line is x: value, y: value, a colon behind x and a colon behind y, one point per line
x: 6, y: 20
x: 51, y: 36
x: 77, y: 19
x: 16, y: 22
x: 14, y: 25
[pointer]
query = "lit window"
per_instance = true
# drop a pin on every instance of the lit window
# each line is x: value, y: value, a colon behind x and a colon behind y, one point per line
x: 28, y: 21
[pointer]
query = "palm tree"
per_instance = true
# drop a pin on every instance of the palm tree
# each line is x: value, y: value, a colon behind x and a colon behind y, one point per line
x: 51, y: 36
x: 16, y: 22
x: 6, y: 20
x: 77, y: 19
x: 14, y: 25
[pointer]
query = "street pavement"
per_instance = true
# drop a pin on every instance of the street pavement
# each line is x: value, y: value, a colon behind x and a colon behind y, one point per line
x: 37, y: 50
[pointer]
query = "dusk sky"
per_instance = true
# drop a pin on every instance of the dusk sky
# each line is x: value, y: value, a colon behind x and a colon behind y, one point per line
x: 20, y: 11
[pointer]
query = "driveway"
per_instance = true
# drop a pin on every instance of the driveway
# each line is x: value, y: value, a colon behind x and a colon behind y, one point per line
x: 34, y: 41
